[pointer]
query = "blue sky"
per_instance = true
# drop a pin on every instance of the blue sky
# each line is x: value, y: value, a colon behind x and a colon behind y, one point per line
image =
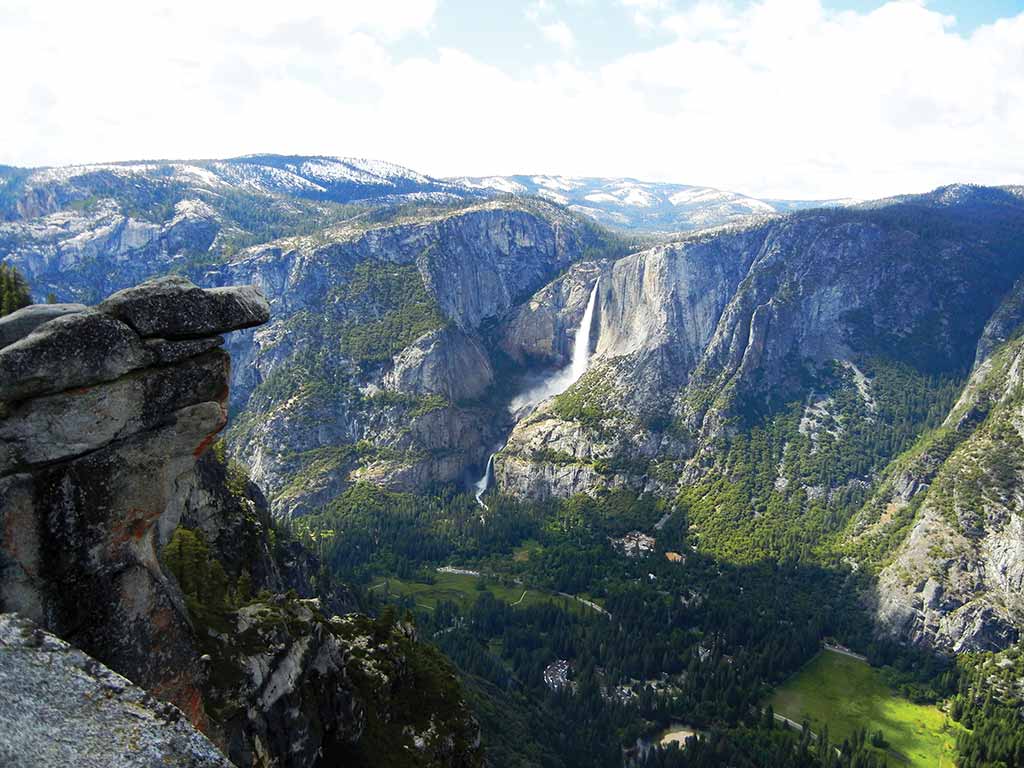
x: 969, y: 14
x: 502, y: 32
x: 785, y: 98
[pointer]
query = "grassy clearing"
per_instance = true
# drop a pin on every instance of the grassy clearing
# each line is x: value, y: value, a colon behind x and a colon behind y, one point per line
x: 523, y: 552
x: 846, y: 694
x: 463, y: 590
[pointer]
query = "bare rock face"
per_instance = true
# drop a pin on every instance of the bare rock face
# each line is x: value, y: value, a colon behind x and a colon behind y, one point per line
x: 101, y: 434
x: 1000, y: 327
x: 414, y: 411
x: 81, y: 348
x: 655, y: 312
x: 66, y: 425
x: 541, y: 330
x: 281, y: 663
x: 699, y: 339
x: 72, y: 351
x: 447, y: 362
x: 956, y: 580
x: 693, y: 334
x: 547, y: 457
x: 172, y: 308
x: 62, y: 707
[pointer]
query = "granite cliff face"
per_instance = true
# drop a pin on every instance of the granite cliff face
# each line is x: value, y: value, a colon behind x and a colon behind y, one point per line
x: 125, y: 535
x: 955, y: 581
x: 401, y: 331
x: 811, y: 326
x: 696, y: 333
x: 102, y: 427
x: 375, y: 365
x: 383, y: 334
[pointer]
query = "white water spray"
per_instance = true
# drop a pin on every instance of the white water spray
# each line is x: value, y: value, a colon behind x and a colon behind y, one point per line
x: 555, y: 385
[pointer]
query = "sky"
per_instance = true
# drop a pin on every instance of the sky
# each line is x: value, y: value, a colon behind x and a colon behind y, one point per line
x: 777, y: 98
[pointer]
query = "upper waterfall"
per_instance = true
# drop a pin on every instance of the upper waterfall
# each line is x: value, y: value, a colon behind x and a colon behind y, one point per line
x: 565, y: 378
x: 581, y: 344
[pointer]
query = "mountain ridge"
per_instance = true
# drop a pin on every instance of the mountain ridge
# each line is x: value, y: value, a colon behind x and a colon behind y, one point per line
x: 625, y: 203
x: 634, y: 204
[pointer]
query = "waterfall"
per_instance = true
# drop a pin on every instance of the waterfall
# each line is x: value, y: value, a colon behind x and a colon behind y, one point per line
x: 484, y: 482
x: 581, y: 344
x: 554, y: 385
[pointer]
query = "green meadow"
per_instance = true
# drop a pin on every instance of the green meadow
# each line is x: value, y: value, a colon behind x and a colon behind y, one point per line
x: 847, y: 694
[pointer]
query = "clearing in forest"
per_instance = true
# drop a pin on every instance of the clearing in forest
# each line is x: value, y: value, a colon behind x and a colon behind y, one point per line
x: 847, y: 694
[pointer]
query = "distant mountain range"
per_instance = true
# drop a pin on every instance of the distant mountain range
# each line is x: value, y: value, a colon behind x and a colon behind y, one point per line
x: 621, y: 203
x: 308, y: 177
x: 627, y: 203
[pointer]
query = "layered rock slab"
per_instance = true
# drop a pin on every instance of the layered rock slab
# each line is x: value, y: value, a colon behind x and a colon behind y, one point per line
x: 62, y: 707
x: 172, y: 307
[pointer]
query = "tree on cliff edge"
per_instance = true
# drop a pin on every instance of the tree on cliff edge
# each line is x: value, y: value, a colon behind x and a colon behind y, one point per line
x: 13, y: 290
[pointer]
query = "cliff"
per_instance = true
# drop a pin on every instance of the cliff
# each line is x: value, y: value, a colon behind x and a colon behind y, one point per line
x: 767, y: 377
x: 126, y: 536
x: 955, y: 579
x: 792, y: 385
x: 381, y: 340
x: 375, y: 364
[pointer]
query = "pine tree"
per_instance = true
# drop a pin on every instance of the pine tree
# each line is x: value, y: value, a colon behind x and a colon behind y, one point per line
x: 13, y: 290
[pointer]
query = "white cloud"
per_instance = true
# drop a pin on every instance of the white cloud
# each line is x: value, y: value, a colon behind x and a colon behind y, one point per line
x: 559, y: 33
x: 779, y: 97
x: 646, y: 5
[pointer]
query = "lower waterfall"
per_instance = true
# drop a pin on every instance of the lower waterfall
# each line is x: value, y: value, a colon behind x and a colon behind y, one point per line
x: 484, y: 482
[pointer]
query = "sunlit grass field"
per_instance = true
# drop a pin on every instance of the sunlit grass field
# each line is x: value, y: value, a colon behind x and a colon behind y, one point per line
x: 847, y: 694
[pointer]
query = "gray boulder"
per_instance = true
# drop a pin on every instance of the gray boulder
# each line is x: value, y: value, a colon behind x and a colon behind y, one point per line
x: 62, y: 707
x: 174, y: 308
x: 72, y: 351
x: 20, y: 324
x: 46, y: 429
x: 174, y: 351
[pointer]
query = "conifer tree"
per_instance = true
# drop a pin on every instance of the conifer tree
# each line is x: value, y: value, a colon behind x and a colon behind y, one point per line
x: 13, y: 290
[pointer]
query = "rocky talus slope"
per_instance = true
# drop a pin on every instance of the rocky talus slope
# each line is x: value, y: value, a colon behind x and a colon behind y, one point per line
x: 124, y: 534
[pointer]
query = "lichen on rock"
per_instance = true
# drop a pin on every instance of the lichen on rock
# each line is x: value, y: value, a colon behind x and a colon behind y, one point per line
x: 61, y: 707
